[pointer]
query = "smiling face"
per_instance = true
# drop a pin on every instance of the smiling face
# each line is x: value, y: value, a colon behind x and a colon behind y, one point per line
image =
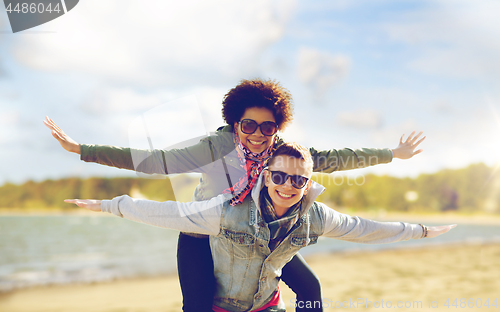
x: 285, y: 196
x: 256, y: 142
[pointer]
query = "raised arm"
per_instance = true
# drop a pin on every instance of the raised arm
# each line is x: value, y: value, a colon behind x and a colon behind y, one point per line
x: 355, y: 229
x: 347, y: 159
x: 199, y: 154
x: 194, y: 217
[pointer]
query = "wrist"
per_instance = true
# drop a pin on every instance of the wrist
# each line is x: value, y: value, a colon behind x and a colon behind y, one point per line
x: 395, y: 153
x: 425, y: 230
x: 76, y: 149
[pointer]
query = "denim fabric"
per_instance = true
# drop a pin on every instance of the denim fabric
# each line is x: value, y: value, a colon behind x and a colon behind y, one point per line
x: 247, y: 272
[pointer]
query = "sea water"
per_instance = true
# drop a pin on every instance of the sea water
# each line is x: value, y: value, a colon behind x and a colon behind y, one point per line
x: 43, y: 250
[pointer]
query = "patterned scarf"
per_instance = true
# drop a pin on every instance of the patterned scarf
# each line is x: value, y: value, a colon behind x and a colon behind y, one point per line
x: 252, y: 163
x: 278, y: 226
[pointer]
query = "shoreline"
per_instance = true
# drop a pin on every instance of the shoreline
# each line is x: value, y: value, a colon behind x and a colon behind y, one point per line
x: 381, y: 215
x: 409, y: 274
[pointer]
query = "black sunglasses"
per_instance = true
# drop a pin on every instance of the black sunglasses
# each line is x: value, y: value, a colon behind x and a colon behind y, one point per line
x: 249, y: 126
x: 279, y: 178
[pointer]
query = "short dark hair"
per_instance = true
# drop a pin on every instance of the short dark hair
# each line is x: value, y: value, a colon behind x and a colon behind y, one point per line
x: 294, y: 150
x: 258, y: 93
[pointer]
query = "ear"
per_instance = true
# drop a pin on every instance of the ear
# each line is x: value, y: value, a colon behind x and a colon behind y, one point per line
x: 267, y: 177
x: 308, y: 185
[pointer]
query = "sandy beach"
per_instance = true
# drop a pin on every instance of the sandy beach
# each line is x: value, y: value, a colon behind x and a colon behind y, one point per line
x: 406, y: 280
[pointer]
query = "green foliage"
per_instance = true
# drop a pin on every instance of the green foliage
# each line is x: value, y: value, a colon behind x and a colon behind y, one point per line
x: 475, y: 188
x: 51, y: 194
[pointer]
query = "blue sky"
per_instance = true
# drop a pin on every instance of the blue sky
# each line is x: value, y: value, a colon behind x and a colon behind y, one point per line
x: 362, y: 73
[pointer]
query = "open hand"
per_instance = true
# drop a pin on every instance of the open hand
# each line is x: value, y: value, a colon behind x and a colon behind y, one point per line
x: 433, y: 231
x: 90, y: 204
x: 406, y: 149
x: 66, y: 142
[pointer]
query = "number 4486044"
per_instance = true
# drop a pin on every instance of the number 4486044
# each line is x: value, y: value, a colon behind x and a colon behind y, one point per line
x: 33, y: 8
x: 470, y: 303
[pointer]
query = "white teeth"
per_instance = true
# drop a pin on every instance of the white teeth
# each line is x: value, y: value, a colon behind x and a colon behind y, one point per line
x: 256, y: 143
x: 284, y: 195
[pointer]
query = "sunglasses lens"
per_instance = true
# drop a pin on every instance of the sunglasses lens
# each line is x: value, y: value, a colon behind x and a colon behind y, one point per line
x: 278, y: 177
x: 248, y: 126
x: 298, y: 181
x: 268, y: 128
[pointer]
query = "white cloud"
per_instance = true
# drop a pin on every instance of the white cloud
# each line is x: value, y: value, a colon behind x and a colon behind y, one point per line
x: 119, y: 101
x: 444, y: 107
x: 11, y: 131
x: 10, y: 118
x: 123, y: 102
x: 159, y: 42
x: 361, y: 119
x: 210, y: 105
x: 321, y: 70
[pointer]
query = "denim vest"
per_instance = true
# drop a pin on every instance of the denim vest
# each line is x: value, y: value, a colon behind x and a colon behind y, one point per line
x: 247, y: 272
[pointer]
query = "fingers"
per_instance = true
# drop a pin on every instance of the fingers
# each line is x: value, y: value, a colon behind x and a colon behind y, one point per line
x: 410, y: 137
x: 441, y: 227
x: 48, y: 125
x: 56, y: 135
x: 434, y: 231
x: 416, y: 137
x: 51, y: 124
x: 76, y: 202
x: 417, y: 152
x: 55, y: 126
x: 83, y: 203
x: 419, y: 141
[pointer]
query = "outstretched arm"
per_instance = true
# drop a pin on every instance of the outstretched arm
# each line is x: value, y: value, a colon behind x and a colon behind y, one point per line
x: 355, y: 229
x: 194, y: 217
x: 197, y: 157
x: 328, y: 161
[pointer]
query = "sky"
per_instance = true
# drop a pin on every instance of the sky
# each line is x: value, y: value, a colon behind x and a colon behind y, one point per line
x: 362, y: 73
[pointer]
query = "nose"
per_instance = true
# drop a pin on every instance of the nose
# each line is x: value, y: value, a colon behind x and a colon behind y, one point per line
x: 288, y: 182
x: 258, y: 132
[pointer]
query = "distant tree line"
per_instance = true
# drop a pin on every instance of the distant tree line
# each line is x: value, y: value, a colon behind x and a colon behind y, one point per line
x: 471, y: 189
x: 52, y: 193
x: 474, y: 188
